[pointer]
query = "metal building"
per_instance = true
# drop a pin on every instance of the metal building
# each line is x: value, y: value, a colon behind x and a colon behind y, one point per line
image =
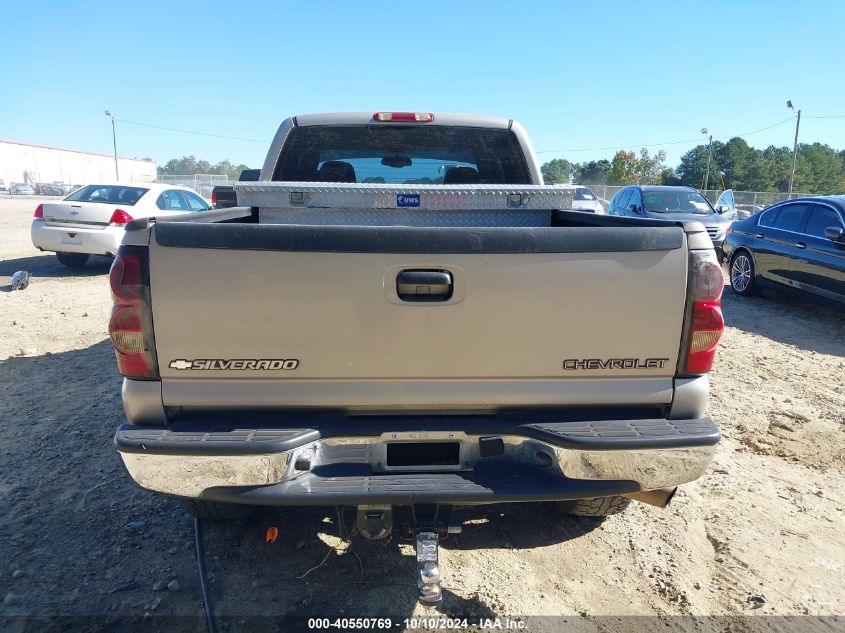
x: 24, y: 162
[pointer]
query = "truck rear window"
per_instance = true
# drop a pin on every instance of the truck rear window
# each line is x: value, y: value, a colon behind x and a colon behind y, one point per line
x: 402, y: 154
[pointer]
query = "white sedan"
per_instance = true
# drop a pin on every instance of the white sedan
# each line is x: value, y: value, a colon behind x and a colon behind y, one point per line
x: 583, y: 199
x: 91, y: 220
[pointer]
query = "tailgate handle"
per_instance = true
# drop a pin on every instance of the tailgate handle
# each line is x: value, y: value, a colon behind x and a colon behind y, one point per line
x: 424, y: 285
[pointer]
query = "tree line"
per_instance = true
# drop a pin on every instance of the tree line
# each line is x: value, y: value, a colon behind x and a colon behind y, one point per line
x: 736, y: 165
x: 188, y: 165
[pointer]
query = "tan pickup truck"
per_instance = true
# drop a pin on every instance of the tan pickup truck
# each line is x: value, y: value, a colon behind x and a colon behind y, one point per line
x: 402, y: 320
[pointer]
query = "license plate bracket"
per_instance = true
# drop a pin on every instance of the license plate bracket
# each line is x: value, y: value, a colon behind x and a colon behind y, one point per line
x: 421, y: 454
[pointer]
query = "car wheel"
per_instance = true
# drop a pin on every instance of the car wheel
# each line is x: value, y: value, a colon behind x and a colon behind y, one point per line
x: 73, y: 260
x: 742, y: 274
x: 214, y: 510
x: 598, y: 507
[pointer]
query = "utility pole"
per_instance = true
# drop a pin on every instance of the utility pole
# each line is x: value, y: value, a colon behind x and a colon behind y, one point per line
x: 794, y: 147
x: 114, y: 141
x: 709, y: 156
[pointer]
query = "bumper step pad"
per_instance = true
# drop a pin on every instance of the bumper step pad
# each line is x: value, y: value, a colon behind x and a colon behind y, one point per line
x: 239, y: 441
x: 598, y: 435
x: 490, y: 483
x: 610, y: 434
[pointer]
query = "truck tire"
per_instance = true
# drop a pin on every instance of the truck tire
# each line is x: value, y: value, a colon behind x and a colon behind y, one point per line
x: 214, y: 510
x: 598, y: 507
x: 73, y: 260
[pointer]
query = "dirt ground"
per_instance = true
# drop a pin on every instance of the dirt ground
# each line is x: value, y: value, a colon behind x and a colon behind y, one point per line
x: 78, y: 538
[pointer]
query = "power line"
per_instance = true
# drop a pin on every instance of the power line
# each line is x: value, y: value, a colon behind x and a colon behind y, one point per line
x: 173, y: 129
x: 545, y: 151
x: 592, y: 149
x: 694, y: 140
x: 762, y: 129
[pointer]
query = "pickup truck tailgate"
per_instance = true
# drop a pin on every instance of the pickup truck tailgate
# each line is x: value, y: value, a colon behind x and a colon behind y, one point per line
x: 550, y: 315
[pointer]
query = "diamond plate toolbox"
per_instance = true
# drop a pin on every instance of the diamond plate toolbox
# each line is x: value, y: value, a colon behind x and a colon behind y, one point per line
x: 405, y: 205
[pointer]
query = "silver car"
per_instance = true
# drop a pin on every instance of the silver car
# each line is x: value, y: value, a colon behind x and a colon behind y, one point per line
x: 675, y: 203
x: 21, y: 189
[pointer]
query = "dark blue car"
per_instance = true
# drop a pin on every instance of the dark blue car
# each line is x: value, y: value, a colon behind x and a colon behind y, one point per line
x: 797, y: 243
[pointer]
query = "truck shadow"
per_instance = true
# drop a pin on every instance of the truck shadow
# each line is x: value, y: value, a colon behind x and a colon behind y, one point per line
x: 401, y: 610
x: 788, y: 318
x: 74, y: 519
x: 498, y: 526
x: 309, y: 570
x: 517, y: 526
x: 48, y: 266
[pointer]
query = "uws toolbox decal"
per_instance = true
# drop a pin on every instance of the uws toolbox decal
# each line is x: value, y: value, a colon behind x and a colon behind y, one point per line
x: 236, y: 364
x: 407, y: 199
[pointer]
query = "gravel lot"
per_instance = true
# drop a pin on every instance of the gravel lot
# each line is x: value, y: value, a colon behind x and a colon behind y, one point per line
x: 79, y: 539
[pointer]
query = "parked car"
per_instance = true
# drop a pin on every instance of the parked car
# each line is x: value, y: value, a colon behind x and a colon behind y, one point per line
x: 91, y: 220
x: 747, y: 210
x: 223, y: 196
x: 21, y: 189
x: 797, y: 243
x: 674, y: 203
x: 583, y: 199
x: 51, y: 189
x: 726, y: 206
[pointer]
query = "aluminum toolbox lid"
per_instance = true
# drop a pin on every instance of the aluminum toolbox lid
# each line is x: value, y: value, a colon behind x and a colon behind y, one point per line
x: 314, y: 195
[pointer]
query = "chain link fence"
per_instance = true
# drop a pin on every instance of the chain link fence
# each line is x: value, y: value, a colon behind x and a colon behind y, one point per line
x: 756, y: 199
x: 749, y: 201
x: 201, y: 183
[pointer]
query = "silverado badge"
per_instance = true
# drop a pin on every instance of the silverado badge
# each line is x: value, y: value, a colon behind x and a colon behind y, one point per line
x: 235, y: 364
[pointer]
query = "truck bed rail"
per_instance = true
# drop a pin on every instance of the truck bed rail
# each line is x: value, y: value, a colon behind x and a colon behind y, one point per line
x: 408, y: 205
x: 297, y: 195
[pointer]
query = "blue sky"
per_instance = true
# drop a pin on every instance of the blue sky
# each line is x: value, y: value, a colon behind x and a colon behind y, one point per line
x: 578, y: 75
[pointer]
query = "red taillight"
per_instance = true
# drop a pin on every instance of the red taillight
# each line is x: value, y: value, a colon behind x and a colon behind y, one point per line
x: 126, y: 331
x: 707, y: 326
x: 119, y: 218
x: 404, y: 117
x: 39, y: 212
x: 214, y: 198
x: 706, y: 322
x: 125, y: 278
x: 130, y: 326
x: 730, y: 230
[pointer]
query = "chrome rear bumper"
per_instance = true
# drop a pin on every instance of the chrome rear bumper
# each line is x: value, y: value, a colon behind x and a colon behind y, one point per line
x: 212, y: 461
